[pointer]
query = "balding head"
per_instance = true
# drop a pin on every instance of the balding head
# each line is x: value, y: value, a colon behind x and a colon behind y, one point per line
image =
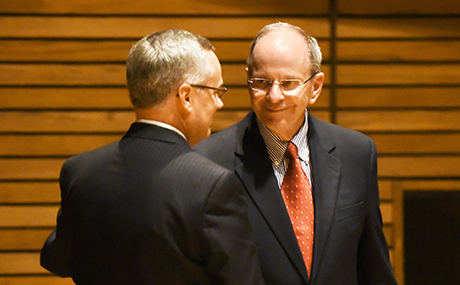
x: 283, y: 32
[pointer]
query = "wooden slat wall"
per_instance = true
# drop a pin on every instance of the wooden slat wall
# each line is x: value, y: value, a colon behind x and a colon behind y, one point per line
x: 397, y: 78
x: 392, y: 72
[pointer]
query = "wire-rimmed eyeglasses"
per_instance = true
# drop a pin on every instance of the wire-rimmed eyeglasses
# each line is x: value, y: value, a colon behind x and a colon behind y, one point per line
x: 288, y: 86
x: 219, y: 91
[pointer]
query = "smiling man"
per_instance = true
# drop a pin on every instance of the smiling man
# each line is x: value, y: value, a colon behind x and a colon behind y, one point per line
x: 312, y: 186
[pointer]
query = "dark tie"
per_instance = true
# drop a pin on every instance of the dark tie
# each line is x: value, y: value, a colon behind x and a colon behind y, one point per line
x: 297, y: 196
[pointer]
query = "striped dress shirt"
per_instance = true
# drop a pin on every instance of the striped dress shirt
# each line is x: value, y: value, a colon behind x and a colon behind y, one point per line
x: 276, y: 147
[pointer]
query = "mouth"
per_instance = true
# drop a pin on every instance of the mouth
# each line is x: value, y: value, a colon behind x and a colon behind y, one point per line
x: 275, y: 110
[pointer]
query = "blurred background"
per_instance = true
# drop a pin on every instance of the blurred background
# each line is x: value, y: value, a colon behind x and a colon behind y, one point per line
x: 392, y: 72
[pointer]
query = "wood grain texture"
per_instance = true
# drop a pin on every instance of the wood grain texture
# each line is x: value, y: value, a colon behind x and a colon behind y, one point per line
x: 137, y: 27
x: 174, y: 7
x: 392, y: 71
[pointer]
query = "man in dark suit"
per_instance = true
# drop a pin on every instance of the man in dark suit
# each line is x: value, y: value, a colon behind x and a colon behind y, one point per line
x: 339, y: 165
x: 148, y: 209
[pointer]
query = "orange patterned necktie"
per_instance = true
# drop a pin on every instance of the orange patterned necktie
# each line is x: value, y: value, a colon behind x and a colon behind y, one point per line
x: 297, y: 196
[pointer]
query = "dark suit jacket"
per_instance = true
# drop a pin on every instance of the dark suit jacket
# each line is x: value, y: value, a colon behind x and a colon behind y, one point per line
x: 349, y: 246
x: 149, y: 210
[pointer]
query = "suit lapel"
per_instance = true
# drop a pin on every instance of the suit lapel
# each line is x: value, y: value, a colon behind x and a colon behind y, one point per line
x: 325, y: 177
x: 254, y: 168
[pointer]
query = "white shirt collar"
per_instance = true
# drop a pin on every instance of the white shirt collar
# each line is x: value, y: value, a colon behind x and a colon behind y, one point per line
x: 162, y: 125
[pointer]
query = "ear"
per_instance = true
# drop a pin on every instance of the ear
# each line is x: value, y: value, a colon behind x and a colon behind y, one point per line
x: 184, y: 98
x: 318, y: 82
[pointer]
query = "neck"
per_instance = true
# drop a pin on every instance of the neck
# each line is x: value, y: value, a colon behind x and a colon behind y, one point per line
x: 163, y: 113
x: 286, y: 131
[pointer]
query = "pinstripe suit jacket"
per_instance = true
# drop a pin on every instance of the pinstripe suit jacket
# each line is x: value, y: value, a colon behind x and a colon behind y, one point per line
x: 149, y: 210
x: 349, y: 246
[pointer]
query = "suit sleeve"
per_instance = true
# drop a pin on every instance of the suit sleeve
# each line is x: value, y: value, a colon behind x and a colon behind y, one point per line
x: 374, y: 265
x: 228, y: 235
x: 56, y: 252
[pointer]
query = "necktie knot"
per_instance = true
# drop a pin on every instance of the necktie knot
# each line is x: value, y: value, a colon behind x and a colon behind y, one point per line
x: 294, y: 164
x: 291, y: 152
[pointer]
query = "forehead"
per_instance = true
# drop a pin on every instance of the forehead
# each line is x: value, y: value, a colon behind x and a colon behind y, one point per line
x: 281, y: 49
x: 215, y: 65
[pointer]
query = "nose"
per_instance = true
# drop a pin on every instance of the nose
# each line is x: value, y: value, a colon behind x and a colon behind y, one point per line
x: 275, y: 94
x: 219, y: 103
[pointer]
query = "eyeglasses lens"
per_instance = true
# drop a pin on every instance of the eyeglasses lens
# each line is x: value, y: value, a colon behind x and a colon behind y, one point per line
x: 264, y: 84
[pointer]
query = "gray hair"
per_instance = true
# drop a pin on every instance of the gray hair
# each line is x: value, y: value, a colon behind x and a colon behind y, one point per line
x: 313, y: 47
x: 159, y: 63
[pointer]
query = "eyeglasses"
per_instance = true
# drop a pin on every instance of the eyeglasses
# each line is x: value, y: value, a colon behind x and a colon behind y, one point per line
x: 219, y: 91
x: 288, y: 86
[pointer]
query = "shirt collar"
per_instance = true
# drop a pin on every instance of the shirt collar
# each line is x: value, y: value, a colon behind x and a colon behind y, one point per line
x: 276, y: 147
x: 162, y: 125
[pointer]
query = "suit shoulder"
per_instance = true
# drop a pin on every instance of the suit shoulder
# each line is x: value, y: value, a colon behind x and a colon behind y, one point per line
x: 197, y: 159
x: 338, y: 134
x: 224, y: 138
x: 95, y: 155
x: 193, y: 168
x: 221, y: 146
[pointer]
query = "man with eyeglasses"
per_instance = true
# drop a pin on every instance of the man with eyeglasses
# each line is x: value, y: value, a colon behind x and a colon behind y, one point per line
x: 311, y: 186
x: 148, y: 209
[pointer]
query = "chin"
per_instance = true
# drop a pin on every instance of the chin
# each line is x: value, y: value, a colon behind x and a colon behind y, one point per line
x: 204, y: 135
x: 273, y: 121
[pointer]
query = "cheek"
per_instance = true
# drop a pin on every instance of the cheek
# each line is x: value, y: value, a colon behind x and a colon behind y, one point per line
x: 303, y: 100
x: 256, y: 101
x: 209, y: 111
